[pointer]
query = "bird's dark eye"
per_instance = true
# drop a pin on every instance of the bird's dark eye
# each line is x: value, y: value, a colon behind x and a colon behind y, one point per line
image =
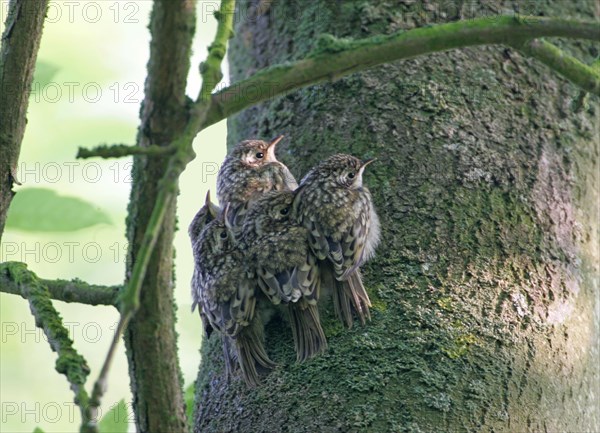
x: 284, y: 211
x: 260, y: 155
x: 351, y: 175
x: 223, y: 235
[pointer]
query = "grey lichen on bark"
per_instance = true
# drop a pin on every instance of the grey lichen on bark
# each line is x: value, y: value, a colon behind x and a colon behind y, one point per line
x: 483, y: 315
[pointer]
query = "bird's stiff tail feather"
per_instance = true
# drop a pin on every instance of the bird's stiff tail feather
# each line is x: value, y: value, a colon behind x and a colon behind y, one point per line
x: 252, y: 358
x: 309, y: 338
x: 361, y: 301
x: 348, y: 295
x: 229, y: 356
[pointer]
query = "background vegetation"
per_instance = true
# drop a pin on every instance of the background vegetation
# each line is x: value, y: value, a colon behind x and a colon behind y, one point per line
x: 111, y: 56
x: 169, y: 122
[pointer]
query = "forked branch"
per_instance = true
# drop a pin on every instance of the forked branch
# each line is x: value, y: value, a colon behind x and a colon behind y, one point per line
x: 69, y: 362
x: 182, y: 154
x: 334, y: 58
x: 567, y: 66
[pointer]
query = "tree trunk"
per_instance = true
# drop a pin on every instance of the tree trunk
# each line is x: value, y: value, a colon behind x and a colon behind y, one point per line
x: 20, y: 44
x: 484, y: 288
x: 150, y: 338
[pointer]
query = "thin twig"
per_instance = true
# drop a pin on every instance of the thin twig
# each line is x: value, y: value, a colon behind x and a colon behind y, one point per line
x: 183, y: 154
x: 210, y: 69
x: 121, y: 150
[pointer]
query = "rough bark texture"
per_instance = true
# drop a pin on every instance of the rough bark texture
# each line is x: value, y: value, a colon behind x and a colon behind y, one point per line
x: 151, y: 339
x: 485, y: 286
x: 20, y: 44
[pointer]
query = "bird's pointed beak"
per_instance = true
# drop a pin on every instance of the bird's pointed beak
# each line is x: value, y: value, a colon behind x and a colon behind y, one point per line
x: 367, y: 162
x: 272, y: 146
x: 213, y: 209
x: 364, y: 165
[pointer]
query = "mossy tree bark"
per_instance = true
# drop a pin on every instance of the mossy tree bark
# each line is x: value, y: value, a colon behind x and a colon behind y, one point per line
x: 150, y: 338
x: 18, y: 54
x: 485, y: 284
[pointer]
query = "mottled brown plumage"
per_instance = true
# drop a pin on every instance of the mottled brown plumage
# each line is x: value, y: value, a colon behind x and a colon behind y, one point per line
x: 206, y: 214
x: 287, y: 271
x: 338, y: 212
x: 228, y: 298
x: 250, y: 170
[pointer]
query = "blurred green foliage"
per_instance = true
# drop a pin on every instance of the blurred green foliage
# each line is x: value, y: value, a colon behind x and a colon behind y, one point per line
x: 189, y: 402
x: 87, y: 90
x: 44, y: 72
x: 115, y: 420
x: 42, y: 209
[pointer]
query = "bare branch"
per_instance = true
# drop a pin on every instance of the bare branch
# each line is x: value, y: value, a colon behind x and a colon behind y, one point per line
x: 168, y: 189
x: 121, y: 150
x: 165, y: 119
x: 60, y: 290
x: 183, y: 155
x: 211, y: 67
x: 69, y: 362
x: 334, y: 58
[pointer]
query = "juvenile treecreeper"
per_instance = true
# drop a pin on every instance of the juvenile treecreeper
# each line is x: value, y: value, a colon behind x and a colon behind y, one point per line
x: 249, y: 170
x: 337, y: 209
x: 285, y: 267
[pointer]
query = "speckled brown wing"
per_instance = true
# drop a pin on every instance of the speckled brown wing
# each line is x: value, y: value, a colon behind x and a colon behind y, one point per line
x: 350, y: 253
x: 345, y: 258
x: 316, y: 233
x: 203, y: 217
x: 227, y: 296
x: 299, y: 284
x: 336, y: 235
x: 196, y: 294
x: 286, y: 268
x: 229, y: 302
x: 306, y: 278
x: 309, y: 337
x: 275, y: 255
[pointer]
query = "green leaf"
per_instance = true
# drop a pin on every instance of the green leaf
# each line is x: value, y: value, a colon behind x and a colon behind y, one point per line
x: 38, y: 430
x: 189, y: 402
x: 44, y: 72
x: 116, y: 419
x: 41, y: 209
